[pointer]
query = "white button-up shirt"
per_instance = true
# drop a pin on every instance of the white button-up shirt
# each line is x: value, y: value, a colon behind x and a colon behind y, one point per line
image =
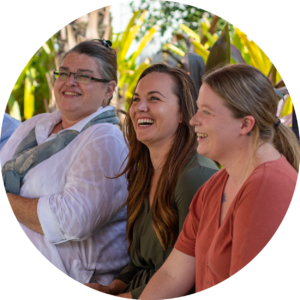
x: 81, y: 211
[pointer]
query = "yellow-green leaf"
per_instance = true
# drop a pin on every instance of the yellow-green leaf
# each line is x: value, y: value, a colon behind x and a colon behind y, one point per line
x: 129, y: 35
x: 28, y: 99
x: 254, y: 51
x: 145, y: 40
x: 174, y: 49
x: 265, y: 58
x: 15, y: 111
x: 126, y: 32
x: 199, y: 49
x: 190, y: 32
x: 288, y: 107
x: 137, y: 74
x: 278, y: 76
x: 46, y: 48
x: 212, y: 39
x: 22, y: 74
x: 11, y: 101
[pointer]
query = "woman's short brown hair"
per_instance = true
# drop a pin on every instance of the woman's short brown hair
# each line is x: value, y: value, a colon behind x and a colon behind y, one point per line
x: 106, y: 57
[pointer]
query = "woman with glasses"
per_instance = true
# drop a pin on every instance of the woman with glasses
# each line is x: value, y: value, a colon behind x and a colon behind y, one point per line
x: 163, y: 170
x: 56, y: 170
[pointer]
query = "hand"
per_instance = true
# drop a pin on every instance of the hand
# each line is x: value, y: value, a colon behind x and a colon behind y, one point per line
x: 99, y: 287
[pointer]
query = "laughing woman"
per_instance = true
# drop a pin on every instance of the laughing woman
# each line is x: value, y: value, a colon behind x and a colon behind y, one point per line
x: 235, y: 214
x: 55, y: 169
x: 163, y: 170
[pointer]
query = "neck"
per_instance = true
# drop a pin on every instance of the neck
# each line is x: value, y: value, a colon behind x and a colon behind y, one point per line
x: 243, y: 162
x: 69, y: 120
x: 158, y: 155
x: 238, y: 162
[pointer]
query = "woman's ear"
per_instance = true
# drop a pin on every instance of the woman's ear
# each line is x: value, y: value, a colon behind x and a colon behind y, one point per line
x: 248, y: 123
x: 110, y: 88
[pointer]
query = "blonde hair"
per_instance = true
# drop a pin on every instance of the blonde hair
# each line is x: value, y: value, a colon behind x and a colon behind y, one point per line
x: 246, y: 91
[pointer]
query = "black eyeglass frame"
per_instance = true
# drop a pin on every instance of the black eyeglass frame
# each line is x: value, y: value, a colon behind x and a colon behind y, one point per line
x: 75, y: 77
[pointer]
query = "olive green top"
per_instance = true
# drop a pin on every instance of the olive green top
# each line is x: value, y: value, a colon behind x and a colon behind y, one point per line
x: 147, y: 254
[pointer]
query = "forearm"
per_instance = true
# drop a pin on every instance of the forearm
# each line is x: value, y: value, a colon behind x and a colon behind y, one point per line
x: 174, y: 279
x: 25, y: 210
x: 161, y: 286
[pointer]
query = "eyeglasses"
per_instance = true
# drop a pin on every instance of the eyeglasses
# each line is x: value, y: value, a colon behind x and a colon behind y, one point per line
x: 79, y: 76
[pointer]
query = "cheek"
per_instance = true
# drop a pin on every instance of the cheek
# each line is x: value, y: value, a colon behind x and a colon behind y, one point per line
x: 56, y: 87
x: 131, y: 112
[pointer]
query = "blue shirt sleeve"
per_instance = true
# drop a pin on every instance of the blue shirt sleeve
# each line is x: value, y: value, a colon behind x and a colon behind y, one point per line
x: 9, y: 125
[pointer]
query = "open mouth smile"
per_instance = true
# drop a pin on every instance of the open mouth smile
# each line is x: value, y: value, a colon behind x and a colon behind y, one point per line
x: 145, y: 122
x: 201, y: 136
x: 71, y: 94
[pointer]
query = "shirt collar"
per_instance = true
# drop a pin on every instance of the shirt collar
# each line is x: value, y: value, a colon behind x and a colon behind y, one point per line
x: 45, y: 125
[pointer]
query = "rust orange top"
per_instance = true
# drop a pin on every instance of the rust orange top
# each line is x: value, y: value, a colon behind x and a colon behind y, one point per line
x: 253, y: 217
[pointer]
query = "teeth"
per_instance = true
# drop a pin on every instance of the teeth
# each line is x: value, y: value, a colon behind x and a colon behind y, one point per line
x: 202, y: 135
x: 140, y: 121
x: 70, y: 93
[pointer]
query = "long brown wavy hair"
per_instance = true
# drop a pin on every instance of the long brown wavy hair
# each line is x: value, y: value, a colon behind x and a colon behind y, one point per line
x: 139, y: 169
x: 246, y: 91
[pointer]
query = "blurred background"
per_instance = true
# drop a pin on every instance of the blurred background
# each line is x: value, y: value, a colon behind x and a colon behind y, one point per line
x: 143, y: 33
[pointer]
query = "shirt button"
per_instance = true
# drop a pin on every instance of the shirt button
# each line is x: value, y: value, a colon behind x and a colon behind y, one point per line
x: 207, y: 281
x: 208, y: 265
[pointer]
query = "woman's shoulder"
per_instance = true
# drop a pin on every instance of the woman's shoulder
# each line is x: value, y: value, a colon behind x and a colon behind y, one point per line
x: 199, y: 162
x: 275, y: 171
x: 106, y: 138
x: 274, y: 180
x: 194, y: 175
x: 106, y: 131
x: 198, y: 165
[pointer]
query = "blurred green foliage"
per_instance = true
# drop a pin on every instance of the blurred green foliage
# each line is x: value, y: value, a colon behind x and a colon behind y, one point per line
x: 194, y: 31
x: 230, y: 46
x: 32, y: 90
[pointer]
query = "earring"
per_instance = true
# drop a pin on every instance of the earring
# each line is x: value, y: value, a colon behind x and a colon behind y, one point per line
x: 249, y: 133
x: 104, y: 103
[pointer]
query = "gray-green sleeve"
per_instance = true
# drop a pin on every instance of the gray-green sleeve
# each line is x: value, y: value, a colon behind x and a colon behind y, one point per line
x: 188, y: 185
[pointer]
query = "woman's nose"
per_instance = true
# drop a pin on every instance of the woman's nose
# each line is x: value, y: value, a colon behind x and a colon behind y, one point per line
x: 72, y: 81
x: 194, y: 120
x: 142, y: 105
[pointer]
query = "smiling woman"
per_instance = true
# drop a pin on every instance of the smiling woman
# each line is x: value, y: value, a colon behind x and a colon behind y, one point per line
x: 234, y: 214
x: 155, y: 111
x: 163, y: 171
x: 56, y: 178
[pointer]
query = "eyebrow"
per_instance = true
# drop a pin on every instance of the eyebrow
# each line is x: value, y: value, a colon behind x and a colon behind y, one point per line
x: 207, y: 106
x: 83, y: 70
x: 150, y: 93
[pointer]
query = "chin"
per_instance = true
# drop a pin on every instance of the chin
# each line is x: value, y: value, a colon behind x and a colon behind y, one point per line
x: 201, y: 151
